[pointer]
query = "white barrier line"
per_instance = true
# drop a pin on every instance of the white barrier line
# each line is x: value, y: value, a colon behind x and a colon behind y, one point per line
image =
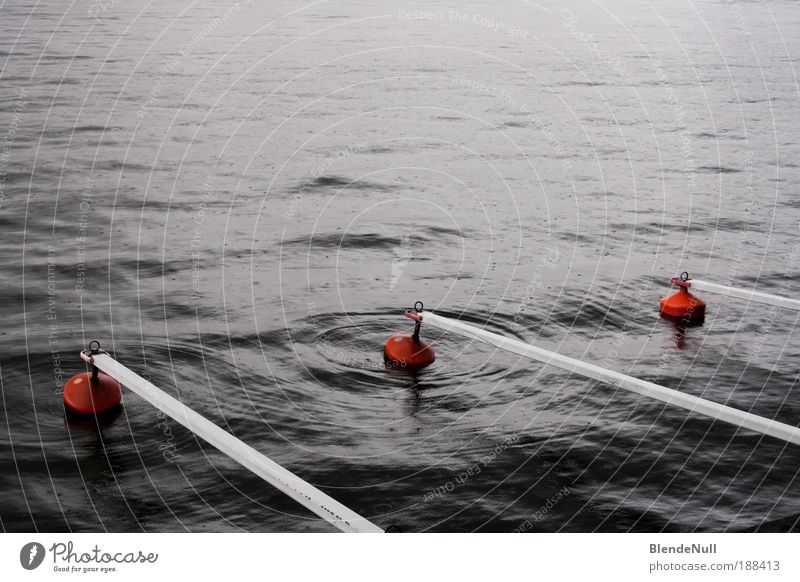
x: 304, y: 493
x: 716, y: 411
x: 776, y: 300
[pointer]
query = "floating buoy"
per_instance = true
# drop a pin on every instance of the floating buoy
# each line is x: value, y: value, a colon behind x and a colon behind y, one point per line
x: 91, y: 392
x: 405, y: 351
x: 683, y: 305
x: 409, y: 350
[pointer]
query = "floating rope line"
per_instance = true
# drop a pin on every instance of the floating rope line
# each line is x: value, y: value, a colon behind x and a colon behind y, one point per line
x: 776, y: 300
x: 716, y: 411
x: 304, y: 493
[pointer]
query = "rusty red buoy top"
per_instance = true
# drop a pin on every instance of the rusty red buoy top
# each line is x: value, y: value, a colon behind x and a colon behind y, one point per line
x: 683, y: 305
x: 409, y: 350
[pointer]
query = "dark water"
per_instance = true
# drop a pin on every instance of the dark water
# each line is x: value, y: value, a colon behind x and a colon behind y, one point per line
x: 239, y: 200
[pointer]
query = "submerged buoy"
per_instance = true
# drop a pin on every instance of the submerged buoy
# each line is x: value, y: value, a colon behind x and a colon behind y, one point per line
x: 91, y: 392
x: 682, y: 304
x: 409, y: 350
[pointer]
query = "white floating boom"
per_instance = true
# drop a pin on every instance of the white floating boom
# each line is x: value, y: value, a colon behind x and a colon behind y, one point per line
x: 716, y: 411
x: 304, y: 493
x: 746, y: 294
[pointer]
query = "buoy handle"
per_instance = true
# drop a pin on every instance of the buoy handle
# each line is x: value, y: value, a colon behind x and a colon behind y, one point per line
x: 418, y: 307
x: 415, y: 315
x: 683, y: 280
x: 86, y: 356
x: 93, y: 349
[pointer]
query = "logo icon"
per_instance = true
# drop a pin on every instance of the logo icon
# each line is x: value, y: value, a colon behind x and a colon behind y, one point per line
x: 31, y: 555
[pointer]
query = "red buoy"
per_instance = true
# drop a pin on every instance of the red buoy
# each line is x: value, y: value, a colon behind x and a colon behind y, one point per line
x: 404, y: 350
x: 409, y: 350
x: 91, y: 393
x: 683, y: 305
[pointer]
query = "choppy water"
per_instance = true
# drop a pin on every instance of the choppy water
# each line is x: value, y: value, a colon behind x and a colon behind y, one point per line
x: 238, y: 200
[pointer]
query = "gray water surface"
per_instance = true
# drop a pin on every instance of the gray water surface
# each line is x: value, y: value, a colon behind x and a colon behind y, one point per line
x: 238, y: 200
